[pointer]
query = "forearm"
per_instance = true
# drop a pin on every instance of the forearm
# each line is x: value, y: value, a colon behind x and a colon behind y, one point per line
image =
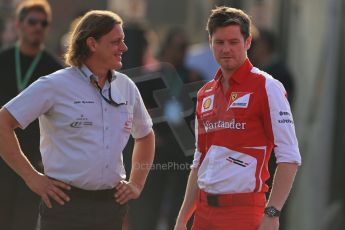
x: 282, y: 183
x: 9, y: 147
x: 142, y: 158
x: 189, y: 202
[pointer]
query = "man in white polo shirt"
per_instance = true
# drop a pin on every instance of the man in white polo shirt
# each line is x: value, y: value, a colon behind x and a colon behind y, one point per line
x: 86, y: 114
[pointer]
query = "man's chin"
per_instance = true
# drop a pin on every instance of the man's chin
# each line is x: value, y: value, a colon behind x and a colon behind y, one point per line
x: 117, y: 66
x: 227, y: 66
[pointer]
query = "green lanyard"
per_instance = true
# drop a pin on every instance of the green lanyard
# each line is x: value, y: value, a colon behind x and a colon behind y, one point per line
x: 23, y: 82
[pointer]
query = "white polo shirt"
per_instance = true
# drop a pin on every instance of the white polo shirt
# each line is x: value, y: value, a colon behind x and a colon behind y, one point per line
x: 82, y: 136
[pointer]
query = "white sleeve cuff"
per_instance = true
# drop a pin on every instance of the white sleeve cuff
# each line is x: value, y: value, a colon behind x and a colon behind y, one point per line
x: 196, y: 160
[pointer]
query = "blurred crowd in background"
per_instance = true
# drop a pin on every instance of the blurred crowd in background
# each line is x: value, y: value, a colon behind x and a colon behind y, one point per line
x: 298, y: 42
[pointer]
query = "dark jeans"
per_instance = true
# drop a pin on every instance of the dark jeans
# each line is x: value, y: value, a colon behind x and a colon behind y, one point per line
x: 82, y: 213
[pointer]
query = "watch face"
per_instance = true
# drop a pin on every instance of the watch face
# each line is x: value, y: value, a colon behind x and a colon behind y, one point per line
x: 272, y: 212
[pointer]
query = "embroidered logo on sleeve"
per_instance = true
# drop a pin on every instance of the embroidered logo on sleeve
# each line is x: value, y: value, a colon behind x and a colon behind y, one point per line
x: 239, y: 100
x: 207, y: 104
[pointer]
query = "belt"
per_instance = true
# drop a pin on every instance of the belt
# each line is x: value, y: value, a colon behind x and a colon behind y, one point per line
x: 236, y: 199
x: 106, y: 194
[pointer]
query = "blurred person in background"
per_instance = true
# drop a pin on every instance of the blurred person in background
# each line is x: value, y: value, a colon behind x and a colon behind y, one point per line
x: 136, y: 35
x: 174, y: 50
x: 86, y: 112
x: 20, y: 65
x: 242, y: 114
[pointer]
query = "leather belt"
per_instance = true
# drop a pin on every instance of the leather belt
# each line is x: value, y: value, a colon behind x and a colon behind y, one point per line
x: 106, y: 194
x: 236, y: 199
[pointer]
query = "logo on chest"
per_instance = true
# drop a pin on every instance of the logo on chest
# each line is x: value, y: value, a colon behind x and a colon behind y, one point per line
x: 239, y: 100
x: 207, y: 104
x: 81, y: 122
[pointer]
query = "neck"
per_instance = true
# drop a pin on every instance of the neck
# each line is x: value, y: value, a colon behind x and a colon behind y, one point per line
x: 227, y: 74
x: 225, y: 82
x: 29, y: 50
x: 100, y: 72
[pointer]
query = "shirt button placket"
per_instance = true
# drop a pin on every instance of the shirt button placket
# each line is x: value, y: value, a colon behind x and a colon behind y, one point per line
x: 106, y: 128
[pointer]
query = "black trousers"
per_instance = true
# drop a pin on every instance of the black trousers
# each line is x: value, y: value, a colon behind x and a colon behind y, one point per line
x: 83, y: 212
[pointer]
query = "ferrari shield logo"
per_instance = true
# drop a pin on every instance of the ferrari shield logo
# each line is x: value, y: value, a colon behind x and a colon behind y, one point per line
x: 233, y: 96
x: 239, y: 100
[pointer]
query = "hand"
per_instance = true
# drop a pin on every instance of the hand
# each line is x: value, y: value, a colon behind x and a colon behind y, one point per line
x: 269, y: 223
x: 126, y: 191
x: 48, y: 188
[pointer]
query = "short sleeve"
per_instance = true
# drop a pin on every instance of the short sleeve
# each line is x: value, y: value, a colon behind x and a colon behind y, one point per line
x: 34, y: 101
x: 142, y: 123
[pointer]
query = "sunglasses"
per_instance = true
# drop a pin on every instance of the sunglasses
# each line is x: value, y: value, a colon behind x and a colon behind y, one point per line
x: 110, y: 100
x: 34, y: 21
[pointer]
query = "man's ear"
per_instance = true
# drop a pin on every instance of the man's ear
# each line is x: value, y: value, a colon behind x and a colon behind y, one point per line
x: 91, y: 44
x: 210, y: 41
x: 248, y: 42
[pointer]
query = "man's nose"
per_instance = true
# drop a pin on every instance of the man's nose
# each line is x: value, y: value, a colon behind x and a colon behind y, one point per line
x: 124, y: 47
x: 226, y: 48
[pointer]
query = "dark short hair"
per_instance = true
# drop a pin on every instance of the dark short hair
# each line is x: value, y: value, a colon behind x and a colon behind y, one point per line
x: 95, y: 24
x: 26, y: 6
x: 223, y: 16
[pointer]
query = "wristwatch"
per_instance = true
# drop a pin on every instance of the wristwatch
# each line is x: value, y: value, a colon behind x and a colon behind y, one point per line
x: 271, y: 211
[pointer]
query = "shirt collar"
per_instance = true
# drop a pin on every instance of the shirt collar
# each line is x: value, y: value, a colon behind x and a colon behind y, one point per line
x: 239, y: 75
x: 86, y: 73
x: 115, y: 91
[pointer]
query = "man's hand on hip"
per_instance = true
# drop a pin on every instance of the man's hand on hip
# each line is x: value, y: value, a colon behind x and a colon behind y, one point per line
x: 48, y: 188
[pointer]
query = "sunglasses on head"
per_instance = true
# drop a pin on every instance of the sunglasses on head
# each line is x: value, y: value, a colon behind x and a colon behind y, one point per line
x: 34, y: 21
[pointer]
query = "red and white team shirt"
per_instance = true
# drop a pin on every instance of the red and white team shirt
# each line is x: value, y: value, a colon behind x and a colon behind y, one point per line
x: 237, y: 130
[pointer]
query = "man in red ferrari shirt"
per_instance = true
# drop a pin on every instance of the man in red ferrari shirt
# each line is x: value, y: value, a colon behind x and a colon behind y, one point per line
x: 242, y: 114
